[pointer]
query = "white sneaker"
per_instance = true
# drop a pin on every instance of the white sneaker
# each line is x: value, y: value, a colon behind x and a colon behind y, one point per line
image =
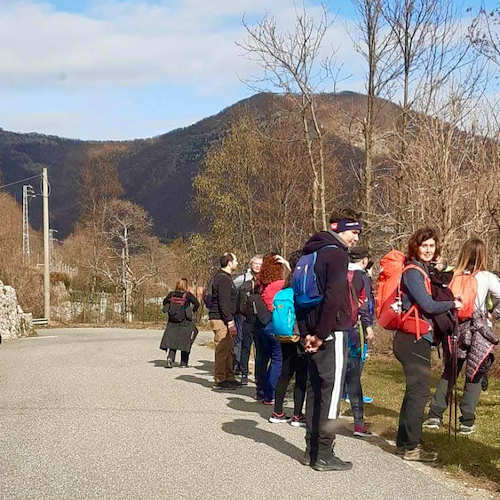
x: 465, y: 430
x: 432, y: 423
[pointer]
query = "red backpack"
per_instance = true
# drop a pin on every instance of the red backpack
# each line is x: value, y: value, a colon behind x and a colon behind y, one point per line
x: 388, y: 300
x: 464, y: 287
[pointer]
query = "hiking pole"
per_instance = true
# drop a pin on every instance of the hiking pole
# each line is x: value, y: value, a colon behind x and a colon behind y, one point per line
x: 450, y: 387
x: 452, y: 347
x: 455, y: 377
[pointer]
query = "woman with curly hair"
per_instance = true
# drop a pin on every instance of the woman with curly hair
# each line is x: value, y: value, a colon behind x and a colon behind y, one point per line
x: 268, y: 349
x: 412, y: 351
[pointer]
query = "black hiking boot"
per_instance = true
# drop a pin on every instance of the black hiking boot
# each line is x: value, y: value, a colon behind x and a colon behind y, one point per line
x: 306, y: 458
x: 331, y: 464
x: 224, y: 386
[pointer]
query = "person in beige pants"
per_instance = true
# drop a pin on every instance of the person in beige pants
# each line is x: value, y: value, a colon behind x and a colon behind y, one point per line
x: 221, y: 314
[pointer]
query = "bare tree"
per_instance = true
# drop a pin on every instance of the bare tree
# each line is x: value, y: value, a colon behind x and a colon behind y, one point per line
x: 292, y: 66
x: 484, y: 33
x: 431, y: 51
x: 127, y: 229
x: 376, y: 44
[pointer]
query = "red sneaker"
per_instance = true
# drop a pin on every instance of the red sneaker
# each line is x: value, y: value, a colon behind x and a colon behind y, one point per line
x: 361, y: 431
x: 298, y: 421
x: 279, y: 418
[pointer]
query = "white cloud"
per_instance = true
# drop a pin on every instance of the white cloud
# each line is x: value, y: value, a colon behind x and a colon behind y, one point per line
x: 56, y: 123
x: 133, y: 43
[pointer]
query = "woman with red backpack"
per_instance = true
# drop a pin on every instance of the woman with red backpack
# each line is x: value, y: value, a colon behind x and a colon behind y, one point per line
x: 413, y: 350
x: 473, y: 283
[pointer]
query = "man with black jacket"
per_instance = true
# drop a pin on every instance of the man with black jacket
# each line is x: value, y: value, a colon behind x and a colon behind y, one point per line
x: 324, y: 335
x: 221, y: 314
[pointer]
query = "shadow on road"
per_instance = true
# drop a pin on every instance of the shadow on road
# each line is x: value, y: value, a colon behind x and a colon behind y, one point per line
x: 193, y: 379
x: 240, y: 404
x: 205, y: 365
x: 159, y: 363
x: 249, y: 430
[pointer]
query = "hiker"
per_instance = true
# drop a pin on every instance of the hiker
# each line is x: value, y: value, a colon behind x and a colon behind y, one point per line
x: 271, y: 279
x: 413, y: 350
x: 180, y: 332
x: 325, y: 314
x: 247, y: 284
x: 369, y: 305
x: 361, y: 331
x: 294, y: 364
x: 476, y: 354
x: 221, y: 315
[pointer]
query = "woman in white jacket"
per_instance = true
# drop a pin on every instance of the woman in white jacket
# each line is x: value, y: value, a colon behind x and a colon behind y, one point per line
x: 472, y: 260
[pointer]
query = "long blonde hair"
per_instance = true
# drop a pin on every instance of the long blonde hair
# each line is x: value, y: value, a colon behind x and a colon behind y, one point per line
x: 472, y: 257
x: 182, y: 285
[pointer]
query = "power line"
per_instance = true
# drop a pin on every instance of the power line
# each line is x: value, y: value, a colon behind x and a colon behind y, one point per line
x: 19, y: 182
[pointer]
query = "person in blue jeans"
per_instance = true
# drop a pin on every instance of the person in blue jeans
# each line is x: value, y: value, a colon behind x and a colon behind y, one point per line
x: 271, y: 278
x: 273, y: 372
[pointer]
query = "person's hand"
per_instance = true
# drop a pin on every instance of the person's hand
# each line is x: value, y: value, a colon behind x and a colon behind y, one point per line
x: 458, y: 305
x: 313, y: 343
x: 369, y: 333
x: 231, y: 328
x: 281, y: 260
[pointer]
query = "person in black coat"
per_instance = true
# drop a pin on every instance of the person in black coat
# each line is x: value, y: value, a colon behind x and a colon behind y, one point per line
x: 180, y: 331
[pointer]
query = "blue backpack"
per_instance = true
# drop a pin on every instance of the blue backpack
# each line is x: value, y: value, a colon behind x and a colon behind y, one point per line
x: 305, y: 283
x: 284, y: 316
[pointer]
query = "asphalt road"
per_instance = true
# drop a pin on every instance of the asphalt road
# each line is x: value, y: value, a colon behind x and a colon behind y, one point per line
x: 94, y: 414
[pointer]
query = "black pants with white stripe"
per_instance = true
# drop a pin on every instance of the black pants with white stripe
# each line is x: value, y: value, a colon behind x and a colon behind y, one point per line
x: 327, y: 369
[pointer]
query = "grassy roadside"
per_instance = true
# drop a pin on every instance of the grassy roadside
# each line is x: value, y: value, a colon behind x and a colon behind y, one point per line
x: 475, y: 458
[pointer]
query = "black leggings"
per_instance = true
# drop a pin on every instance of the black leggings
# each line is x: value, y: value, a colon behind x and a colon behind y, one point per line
x: 184, y: 356
x: 294, y: 363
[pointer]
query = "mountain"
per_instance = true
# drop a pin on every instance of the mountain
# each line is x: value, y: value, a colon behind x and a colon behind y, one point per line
x: 156, y: 173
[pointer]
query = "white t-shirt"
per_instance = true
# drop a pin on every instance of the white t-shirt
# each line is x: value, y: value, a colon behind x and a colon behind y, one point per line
x: 486, y: 283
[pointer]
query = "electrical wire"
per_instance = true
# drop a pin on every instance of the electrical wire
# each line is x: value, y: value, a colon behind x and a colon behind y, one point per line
x: 19, y: 182
x: 49, y: 188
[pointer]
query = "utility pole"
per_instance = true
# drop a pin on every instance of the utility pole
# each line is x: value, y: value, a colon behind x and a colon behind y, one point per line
x: 52, y: 239
x: 46, y: 246
x: 28, y: 194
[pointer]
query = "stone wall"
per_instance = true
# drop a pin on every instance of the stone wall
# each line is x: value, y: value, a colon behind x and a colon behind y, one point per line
x: 13, y: 321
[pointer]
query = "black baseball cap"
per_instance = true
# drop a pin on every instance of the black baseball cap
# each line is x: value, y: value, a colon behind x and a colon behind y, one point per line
x: 358, y: 253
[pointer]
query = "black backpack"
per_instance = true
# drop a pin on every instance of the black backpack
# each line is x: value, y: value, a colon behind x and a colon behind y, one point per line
x: 177, y: 309
x: 257, y: 310
x: 246, y: 289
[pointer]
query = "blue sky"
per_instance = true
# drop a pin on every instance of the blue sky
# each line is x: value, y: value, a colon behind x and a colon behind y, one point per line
x: 123, y: 69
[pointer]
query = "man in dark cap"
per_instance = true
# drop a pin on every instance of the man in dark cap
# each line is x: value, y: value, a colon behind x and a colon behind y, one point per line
x: 358, y: 336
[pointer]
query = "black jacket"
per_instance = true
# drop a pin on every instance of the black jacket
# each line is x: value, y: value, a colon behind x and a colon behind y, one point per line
x: 334, y: 312
x: 224, y: 296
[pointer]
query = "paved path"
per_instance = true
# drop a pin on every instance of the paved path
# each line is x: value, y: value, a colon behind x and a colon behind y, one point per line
x: 94, y: 414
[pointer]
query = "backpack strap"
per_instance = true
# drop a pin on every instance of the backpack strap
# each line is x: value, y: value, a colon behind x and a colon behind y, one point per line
x: 414, y: 308
x: 426, y: 276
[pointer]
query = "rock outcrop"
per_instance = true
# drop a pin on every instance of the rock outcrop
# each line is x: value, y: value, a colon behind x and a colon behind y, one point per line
x: 13, y: 321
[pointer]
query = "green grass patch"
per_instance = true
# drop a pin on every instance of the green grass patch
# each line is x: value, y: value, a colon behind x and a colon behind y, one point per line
x: 475, y: 457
